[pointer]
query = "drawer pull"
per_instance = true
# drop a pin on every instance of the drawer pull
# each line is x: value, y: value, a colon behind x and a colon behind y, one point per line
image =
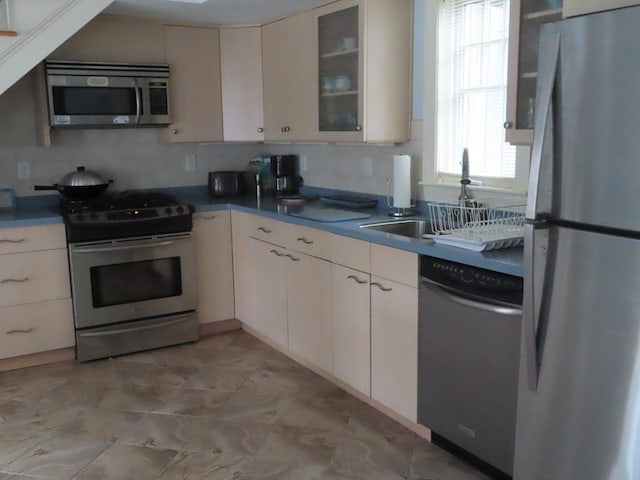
x: 295, y: 259
x: 357, y: 280
x: 381, y: 287
x: 277, y: 253
x: 265, y: 230
x: 9, y: 240
x: 305, y: 241
x: 206, y: 217
x: 17, y: 330
x: 15, y: 280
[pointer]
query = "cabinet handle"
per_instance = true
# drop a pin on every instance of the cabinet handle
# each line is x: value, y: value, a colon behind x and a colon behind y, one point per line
x: 381, y: 287
x: 9, y: 240
x: 174, y: 131
x: 205, y: 217
x: 305, y: 241
x: 357, y: 280
x: 260, y: 130
x: 17, y: 330
x: 277, y: 253
x: 283, y: 129
x: 295, y: 259
x: 265, y: 230
x: 15, y: 280
x: 507, y: 125
x: 358, y: 128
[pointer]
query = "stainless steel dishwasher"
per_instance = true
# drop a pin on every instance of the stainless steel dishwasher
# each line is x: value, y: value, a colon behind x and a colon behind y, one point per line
x: 468, y: 353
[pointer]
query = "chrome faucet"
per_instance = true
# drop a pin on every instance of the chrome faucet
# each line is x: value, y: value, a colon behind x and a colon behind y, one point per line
x: 465, y: 196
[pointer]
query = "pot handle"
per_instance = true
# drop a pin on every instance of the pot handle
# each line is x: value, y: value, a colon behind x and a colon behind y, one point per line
x: 45, y: 187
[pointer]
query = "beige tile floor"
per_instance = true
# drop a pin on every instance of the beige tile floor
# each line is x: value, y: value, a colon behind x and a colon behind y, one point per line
x: 227, y: 407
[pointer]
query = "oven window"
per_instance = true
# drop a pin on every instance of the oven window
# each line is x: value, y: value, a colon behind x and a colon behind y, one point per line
x: 94, y: 101
x: 135, y: 281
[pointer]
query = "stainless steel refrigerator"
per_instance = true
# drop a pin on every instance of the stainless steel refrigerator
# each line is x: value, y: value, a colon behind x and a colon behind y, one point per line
x: 579, y: 391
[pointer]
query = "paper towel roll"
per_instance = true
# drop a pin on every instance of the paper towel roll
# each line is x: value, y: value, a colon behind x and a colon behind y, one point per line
x: 401, y: 181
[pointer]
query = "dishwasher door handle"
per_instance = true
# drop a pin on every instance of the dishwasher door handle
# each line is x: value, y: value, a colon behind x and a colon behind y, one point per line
x: 456, y: 297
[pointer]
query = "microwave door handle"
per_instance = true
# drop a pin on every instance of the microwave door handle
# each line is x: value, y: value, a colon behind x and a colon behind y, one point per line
x: 138, y: 100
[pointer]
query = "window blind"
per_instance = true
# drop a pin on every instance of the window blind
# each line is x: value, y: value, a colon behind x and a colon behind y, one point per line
x: 472, y: 78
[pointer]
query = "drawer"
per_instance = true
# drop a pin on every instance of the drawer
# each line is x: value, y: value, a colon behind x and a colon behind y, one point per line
x: 36, y: 327
x: 394, y: 264
x: 311, y: 241
x: 28, y: 239
x: 34, y: 277
x: 268, y: 230
x: 351, y: 252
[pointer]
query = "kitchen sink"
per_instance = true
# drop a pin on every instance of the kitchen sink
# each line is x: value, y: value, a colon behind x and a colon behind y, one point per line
x: 404, y: 228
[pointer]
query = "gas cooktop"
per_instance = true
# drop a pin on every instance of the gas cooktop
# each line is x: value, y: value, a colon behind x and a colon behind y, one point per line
x: 124, y: 214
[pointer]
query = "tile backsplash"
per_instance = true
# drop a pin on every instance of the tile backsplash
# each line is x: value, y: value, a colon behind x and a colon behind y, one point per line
x: 136, y: 158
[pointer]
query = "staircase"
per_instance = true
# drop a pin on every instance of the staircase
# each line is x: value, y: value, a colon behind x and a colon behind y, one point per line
x: 41, y: 26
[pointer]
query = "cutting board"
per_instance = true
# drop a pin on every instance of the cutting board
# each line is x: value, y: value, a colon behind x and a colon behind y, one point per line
x: 329, y: 214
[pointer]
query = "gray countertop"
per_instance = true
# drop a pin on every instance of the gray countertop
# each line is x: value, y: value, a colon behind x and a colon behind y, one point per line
x: 43, y: 210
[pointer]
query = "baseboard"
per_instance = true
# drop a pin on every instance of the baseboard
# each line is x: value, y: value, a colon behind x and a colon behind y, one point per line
x: 222, y: 326
x: 39, y: 358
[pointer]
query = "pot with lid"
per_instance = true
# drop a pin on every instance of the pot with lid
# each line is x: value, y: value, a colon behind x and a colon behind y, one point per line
x: 82, y: 184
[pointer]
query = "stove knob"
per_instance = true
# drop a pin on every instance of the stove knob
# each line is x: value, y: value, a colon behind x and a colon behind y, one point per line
x: 180, y: 209
x: 80, y: 217
x: 93, y: 216
x: 168, y: 211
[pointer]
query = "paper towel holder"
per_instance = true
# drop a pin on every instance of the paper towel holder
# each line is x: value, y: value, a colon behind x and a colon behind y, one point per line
x: 398, y: 211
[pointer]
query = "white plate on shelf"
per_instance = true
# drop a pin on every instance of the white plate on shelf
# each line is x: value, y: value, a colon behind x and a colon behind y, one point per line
x: 478, y: 243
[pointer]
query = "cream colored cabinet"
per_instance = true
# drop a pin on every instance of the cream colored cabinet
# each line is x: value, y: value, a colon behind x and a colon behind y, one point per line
x: 394, y: 329
x: 287, y: 67
x: 195, y: 95
x: 269, y: 292
x: 351, y: 327
x: 309, y: 308
x: 526, y: 17
x: 241, y: 70
x: 212, y: 232
x: 362, y: 71
x: 35, y: 294
x: 579, y: 7
x: 241, y: 226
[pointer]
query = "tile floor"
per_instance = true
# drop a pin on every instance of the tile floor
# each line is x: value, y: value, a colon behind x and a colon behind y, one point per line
x: 228, y: 407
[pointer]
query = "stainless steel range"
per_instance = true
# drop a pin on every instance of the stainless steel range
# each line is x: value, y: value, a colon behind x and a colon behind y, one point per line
x: 131, y: 256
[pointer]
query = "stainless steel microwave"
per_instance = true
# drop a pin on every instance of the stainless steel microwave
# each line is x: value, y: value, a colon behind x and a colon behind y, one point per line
x: 83, y: 94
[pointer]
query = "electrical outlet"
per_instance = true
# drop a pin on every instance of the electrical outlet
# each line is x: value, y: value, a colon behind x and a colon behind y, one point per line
x: 24, y: 170
x: 190, y: 163
x: 367, y: 164
x: 303, y: 163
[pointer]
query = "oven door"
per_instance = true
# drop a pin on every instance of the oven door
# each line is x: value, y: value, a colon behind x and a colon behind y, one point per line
x: 132, y: 278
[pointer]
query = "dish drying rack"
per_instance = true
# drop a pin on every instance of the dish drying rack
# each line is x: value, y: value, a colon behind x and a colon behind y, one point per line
x: 477, y: 226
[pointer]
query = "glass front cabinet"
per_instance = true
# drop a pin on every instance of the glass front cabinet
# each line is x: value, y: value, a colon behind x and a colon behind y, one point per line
x: 526, y: 17
x: 352, y: 92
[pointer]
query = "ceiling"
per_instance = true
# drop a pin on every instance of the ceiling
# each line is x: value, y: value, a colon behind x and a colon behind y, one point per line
x: 211, y: 12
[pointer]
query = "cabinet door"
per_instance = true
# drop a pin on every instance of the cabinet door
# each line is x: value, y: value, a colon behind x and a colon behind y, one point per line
x: 579, y: 7
x: 241, y: 225
x: 394, y: 346
x: 287, y: 65
x: 351, y: 327
x: 212, y: 233
x: 526, y: 16
x: 309, y: 308
x: 195, y: 94
x: 269, y: 292
x: 241, y: 68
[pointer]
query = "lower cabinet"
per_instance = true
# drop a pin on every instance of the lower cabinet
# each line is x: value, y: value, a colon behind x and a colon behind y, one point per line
x: 394, y: 346
x: 212, y: 232
x: 351, y: 327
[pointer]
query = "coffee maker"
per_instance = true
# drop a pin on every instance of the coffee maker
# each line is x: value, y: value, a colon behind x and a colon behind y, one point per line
x: 284, y: 169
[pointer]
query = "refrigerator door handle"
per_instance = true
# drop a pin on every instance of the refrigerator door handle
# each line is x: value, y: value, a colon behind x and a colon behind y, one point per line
x: 529, y: 311
x: 542, y: 148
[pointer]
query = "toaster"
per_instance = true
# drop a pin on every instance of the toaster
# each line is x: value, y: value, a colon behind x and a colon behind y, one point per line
x: 226, y: 184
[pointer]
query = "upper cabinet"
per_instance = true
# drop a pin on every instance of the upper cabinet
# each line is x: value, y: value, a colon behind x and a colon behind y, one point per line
x: 579, y: 7
x: 287, y: 68
x: 362, y: 71
x: 195, y: 95
x: 526, y: 18
x: 241, y: 67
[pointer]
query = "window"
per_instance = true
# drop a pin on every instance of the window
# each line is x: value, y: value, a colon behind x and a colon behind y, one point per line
x: 470, y: 83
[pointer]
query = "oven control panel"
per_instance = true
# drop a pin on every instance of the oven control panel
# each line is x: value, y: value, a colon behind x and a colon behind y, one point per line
x: 136, y: 214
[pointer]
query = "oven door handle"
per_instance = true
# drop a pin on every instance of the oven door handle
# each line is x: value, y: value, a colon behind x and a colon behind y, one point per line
x: 125, y: 247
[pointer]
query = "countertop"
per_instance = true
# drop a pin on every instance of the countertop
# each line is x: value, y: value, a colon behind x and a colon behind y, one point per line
x: 43, y: 210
